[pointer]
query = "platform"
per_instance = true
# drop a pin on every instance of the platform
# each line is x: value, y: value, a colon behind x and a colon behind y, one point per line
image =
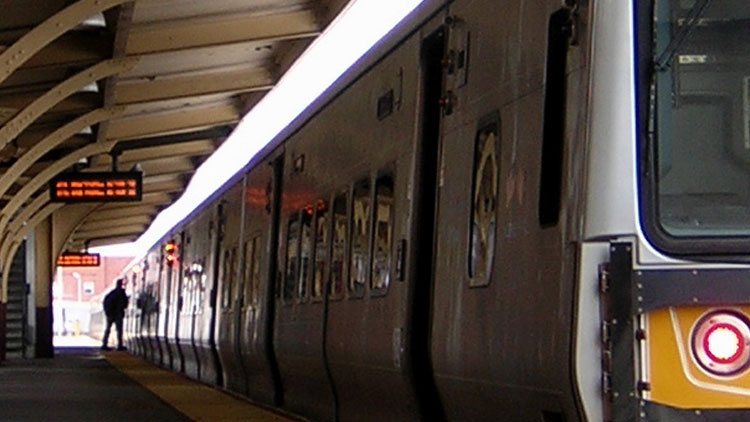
x: 84, y: 384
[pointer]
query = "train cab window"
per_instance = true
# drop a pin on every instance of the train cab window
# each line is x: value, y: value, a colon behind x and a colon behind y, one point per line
x: 321, y: 249
x: 382, y: 252
x: 305, y: 253
x: 338, y: 253
x: 292, y: 258
x: 360, y: 238
x: 483, y: 226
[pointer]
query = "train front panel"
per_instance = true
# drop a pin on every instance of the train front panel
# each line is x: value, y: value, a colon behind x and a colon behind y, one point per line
x: 663, y: 321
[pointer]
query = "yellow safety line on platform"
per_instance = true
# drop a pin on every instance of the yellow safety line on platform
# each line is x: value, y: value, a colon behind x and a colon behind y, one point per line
x: 196, y: 401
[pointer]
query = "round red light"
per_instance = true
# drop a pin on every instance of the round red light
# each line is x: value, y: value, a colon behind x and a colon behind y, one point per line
x: 721, y: 342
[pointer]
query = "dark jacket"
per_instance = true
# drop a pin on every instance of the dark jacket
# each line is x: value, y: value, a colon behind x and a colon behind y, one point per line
x: 115, y: 303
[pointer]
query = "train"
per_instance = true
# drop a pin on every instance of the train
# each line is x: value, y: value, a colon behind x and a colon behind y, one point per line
x: 506, y: 211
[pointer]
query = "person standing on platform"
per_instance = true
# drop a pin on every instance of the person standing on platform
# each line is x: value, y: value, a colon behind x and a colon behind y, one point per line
x: 115, y: 303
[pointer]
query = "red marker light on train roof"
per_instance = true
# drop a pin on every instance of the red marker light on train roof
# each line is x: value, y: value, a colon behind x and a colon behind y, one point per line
x: 721, y: 343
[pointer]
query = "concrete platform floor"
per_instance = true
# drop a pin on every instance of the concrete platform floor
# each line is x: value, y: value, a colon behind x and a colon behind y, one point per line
x: 77, y: 385
x: 85, y: 384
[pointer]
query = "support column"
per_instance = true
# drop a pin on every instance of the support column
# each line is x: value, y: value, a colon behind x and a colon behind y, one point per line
x: 43, y: 296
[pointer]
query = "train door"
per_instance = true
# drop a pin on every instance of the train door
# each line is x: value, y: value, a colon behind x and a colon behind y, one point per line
x: 230, y: 227
x: 210, y: 365
x: 194, y: 274
x: 504, y: 268
x: 299, y: 316
x: 262, y: 205
x: 175, y: 275
x: 421, y: 257
x: 165, y: 358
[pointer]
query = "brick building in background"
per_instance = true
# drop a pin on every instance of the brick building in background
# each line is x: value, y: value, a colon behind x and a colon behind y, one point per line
x: 77, y: 291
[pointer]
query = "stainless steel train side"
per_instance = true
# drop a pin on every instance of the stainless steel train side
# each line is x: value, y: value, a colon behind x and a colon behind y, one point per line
x: 409, y: 250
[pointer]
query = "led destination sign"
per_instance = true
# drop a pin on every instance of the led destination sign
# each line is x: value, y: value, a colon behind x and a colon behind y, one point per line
x: 97, y: 187
x: 74, y: 259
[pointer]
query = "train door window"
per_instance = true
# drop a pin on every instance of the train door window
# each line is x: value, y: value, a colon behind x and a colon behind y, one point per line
x: 202, y: 281
x: 226, y: 280
x: 232, y: 276
x: 483, y: 224
x: 360, y: 238
x: 305, y: 253
x: 383, y: 238
x: 247, y: 289
x: 338, y: 254
x: 321, y: 249
x: 255, y: 270
x: 252, y: 270
x: 292, y: 258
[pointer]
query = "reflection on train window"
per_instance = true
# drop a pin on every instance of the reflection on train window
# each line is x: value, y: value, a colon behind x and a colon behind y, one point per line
x: 292, y: 261
x: 484, y: 206
x: 338, y: 255
x: 382, y: 253
x: 321, y: 248
x: 360, y: 238
x: 305, y: 253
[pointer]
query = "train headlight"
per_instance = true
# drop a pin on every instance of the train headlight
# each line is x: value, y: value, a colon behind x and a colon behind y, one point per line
x: 721, y: 343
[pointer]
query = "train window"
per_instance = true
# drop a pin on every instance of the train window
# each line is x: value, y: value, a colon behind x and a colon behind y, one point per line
x: 484, y: 205
x: 338, y: 255
x: 382, y: 253
x: 553, y: 131
x: 252, y: 271
x: 305, y: 252
x: 247, y: 295
x: 292, y: 261
x: 232, y: 276
x: 201, y: 293
x: 321, y: 249
x: 183, y: 301
x: 360, y: 238
x: 201, y: 282
x: 226, y: 281
x: 256, y: 269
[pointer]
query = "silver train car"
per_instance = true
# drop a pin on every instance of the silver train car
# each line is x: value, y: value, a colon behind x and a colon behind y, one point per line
x: 508, y: 211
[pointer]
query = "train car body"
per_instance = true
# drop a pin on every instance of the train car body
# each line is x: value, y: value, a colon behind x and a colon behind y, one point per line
x: 522, y: 211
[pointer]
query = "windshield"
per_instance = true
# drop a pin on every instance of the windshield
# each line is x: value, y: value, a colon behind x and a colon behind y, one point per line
x: 701, y: 117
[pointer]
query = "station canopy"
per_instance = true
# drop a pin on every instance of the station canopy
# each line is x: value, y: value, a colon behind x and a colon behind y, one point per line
x: 148, y: 85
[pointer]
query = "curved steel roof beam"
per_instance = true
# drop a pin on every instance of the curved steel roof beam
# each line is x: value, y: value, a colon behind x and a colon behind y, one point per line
x: 46, y: 175
x: 33, y: 41
x: 53, y: 140
x: 17, y: 238
x: 41, y: 105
